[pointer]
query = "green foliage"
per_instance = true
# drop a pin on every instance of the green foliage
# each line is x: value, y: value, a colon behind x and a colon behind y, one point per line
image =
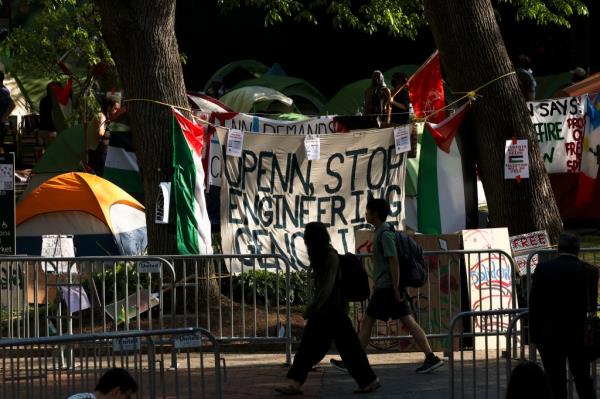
x: 117, y: 275
x: 71, y: 26
x: 268, y: 286
x: 548, y: 12
x: 401, y: 18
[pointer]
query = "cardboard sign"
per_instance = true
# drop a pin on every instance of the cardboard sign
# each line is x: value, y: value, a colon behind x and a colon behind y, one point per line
x: 516, y: 160
x: 132, y: 306
x: 525, y: 244
x: 490, y: 279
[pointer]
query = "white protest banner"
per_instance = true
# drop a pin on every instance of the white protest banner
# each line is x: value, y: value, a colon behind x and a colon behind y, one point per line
x: 490, y: 279
x: 271, y: 192
x: 255, y: 124
x: 559, y: 126
x: 523, y: 245
x: 516, y: 159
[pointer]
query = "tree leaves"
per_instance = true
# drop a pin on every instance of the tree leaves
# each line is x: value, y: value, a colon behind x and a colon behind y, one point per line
x: 402, y: 18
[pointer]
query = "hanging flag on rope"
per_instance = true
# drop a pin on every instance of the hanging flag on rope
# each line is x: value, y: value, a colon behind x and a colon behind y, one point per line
x: 62, y: 105
x: 590, y: 158
x: 426, y: 90
x: 192, y: 223
x: 441, y: 199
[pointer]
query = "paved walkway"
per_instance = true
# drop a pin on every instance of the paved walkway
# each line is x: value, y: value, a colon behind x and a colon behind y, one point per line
x: 257, y: 375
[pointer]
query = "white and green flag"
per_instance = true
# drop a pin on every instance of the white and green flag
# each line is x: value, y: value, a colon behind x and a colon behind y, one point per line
x: 441, y: 193
x: 191, y: 217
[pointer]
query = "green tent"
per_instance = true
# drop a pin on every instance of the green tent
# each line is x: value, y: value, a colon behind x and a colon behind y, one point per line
x: 550, y: 84
x: 236, y: 71
x: 257, y: 99
x: 307, y: 98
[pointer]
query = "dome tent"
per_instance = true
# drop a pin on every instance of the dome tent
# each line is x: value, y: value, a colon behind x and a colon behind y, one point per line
x: 103, y: 219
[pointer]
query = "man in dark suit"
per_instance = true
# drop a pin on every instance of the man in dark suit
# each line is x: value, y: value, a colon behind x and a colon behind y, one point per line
x: 562, y: 292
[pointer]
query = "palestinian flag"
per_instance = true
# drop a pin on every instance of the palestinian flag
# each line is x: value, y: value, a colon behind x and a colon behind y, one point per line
x: 62, y: 105
x: 191, y: 218
x: 441, y: 194
x: 121, y: 166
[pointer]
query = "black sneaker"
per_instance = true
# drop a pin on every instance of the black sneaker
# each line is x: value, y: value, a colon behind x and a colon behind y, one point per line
x: 338, y: 365
x: 431, y: 363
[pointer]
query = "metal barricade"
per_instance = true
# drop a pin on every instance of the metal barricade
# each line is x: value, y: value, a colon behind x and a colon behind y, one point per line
x: 31, y: 367
x: 57, y: 296
x: 487, y: 352
x: 458, y: 280
x: 238, y: 298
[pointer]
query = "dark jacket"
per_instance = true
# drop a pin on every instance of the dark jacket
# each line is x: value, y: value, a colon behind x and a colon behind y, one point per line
x: 558, y: 302
x: 327, y: 297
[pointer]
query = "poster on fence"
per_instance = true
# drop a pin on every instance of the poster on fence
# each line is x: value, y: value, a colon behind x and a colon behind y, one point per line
x: 271, y: 192
x: 559, y: 126
x: 490, y: 280
x: 255, y: 124
x: 525, y: 244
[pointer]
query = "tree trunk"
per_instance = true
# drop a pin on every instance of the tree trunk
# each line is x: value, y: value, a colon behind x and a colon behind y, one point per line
x: 141, y: 37
x: 473, y: 53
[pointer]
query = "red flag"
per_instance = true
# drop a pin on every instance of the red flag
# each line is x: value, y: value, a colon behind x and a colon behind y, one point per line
x: 427, y: 90
x: 443, y: 133
x: 62, y: 94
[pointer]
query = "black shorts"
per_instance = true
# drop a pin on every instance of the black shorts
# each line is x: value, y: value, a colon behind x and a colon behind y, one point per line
x: 383, y: 305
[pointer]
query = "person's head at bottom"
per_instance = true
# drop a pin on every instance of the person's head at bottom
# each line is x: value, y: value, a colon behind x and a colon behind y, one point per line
x: 116, y: 383
x: 527, y: 381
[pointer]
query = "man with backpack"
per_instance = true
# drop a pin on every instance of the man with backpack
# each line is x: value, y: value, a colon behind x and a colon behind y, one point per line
x: 390, y: 299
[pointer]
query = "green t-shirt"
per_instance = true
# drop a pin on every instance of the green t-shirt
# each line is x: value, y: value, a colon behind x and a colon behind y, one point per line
x: 384, y: 248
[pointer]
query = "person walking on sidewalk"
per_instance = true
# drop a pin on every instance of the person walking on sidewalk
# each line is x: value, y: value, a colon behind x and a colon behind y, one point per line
x: 390, y: 299
x: 327, y: 320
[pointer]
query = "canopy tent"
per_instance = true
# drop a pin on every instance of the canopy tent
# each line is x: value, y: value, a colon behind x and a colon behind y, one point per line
x: 236, y: 71
x: 349, y: 100
x: 307, y: 98
x: 258, y: 99
x: 103, y: 219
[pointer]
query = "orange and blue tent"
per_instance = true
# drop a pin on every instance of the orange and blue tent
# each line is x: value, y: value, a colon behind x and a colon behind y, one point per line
x: 102, y: 218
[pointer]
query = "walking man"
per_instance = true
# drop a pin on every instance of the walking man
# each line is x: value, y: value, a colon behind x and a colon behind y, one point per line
x: 390, y: 299
x: 562, y: 292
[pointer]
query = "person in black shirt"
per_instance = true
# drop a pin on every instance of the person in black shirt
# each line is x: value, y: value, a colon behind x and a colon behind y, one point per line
x: 400, y: 99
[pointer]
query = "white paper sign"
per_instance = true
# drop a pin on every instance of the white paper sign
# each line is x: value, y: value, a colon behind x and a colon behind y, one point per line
x: 187, y: 341
x: 516, y: 160
x: 402, y: 139
x: 235, y: 143
x: 6, y: 177
x: 148, y: 266
x: 58, y: 246
x: 312, y: 144
x: 128, y: 344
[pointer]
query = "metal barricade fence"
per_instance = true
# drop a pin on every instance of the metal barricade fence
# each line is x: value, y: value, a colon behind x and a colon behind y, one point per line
x: 457, y: 280
x: 483, y: 374
x: 238, y: 298
x: 56, y: 296
x: 31, y: 367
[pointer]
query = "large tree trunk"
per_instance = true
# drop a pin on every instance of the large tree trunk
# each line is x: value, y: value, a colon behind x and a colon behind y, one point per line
x: 141, y: 37
x: 473, y: 53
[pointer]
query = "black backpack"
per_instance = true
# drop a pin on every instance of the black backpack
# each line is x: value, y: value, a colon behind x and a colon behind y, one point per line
x: 413, y: 270
x: 355, y: 281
